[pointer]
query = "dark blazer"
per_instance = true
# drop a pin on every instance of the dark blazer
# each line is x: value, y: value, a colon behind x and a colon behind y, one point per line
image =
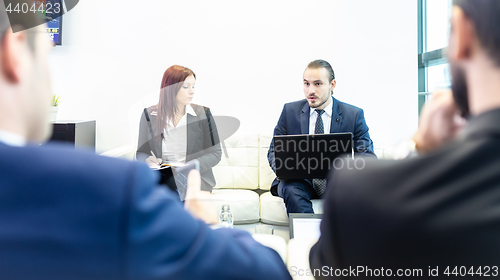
x: 294, y: 120
x: 202, y: 142
x: 441, y: 209
x: 67, y: 214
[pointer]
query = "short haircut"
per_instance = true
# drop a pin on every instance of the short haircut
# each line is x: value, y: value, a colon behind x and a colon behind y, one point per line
x: 4, y: 21
x: 319, y: 63
x: 21, y: 21
x: 485, y: 14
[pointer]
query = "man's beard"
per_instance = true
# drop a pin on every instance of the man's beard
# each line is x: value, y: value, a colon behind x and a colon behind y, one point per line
x: 318, y: 105
x: 459, y: 89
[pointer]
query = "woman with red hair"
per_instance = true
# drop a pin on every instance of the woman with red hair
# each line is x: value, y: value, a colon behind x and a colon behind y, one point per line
x: 177, y: 131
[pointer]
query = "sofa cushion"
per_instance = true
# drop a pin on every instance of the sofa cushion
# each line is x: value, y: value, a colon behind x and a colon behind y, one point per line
x: 266, y: 174
x: 273, y: 210
x: 240, y: 169
x: 244, y: 204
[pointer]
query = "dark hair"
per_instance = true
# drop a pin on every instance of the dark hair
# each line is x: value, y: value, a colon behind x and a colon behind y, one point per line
x: 485, y: 14
x: 19, y: 22
x: 4, y: 21
x: 171, y: 83
x: 319, y: 63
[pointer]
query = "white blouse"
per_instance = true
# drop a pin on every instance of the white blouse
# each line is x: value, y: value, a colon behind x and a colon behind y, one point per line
x: 174, y: 144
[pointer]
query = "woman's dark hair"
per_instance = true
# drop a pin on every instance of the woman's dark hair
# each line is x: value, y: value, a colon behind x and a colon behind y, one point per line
x: 171, y: 83
x: 485, y: 14
x: 320, y: 63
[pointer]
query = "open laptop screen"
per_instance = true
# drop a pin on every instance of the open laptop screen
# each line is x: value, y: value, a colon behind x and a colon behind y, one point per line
x: 310, y: 156
x: 305, y: 226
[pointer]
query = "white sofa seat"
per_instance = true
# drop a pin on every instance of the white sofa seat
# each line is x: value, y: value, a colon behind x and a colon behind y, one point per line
x: 242, y: 176
x: 273, y: 210
x: 237, y: 176
x: 244, y: 204
x: 247, y: 169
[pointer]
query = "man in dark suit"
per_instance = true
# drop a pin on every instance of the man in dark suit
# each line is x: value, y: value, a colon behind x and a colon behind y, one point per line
x: 301, y: 117
x: 67, y: 214
x: 436, y: 214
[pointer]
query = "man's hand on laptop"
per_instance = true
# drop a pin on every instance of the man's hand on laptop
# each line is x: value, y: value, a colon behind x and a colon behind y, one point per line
x: 199, y: 203
x: 440, y: 122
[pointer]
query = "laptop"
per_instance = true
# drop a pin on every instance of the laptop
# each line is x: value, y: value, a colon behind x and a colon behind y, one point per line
x: 309, y: 156
x: 304, y: 226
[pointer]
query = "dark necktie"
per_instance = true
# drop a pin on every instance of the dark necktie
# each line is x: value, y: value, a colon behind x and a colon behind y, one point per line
x: 319, y: 185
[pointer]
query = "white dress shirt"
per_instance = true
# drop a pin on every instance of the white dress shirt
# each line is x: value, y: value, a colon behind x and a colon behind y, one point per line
x: 12, y: 139
x: 174, y: 145
x: 326, y: 117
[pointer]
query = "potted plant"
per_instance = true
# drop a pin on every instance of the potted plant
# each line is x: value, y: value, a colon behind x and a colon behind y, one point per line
x: 54, y: 107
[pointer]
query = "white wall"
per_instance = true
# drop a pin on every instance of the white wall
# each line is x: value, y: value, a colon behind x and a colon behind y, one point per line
x: 249, y: 57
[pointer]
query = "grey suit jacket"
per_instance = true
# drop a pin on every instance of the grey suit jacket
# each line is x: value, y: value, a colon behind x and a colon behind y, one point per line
x: 202, y: 142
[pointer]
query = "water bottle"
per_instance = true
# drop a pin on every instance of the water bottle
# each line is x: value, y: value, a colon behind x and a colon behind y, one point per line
x: 226, y: 217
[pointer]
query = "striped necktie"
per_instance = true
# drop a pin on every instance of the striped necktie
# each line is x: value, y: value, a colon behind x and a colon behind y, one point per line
x: 319, y: 185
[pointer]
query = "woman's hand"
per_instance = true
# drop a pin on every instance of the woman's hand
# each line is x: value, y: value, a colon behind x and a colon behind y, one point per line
x: 153, y: 162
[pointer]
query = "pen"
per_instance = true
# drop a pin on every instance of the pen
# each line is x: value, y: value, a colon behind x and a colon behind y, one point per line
x: 156, y: 159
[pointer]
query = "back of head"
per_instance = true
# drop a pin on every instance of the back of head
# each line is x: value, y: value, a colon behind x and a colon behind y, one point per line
x: 4, y: 21
x: 24, y: 82
x: 485, y: 15
x: 18, y: 21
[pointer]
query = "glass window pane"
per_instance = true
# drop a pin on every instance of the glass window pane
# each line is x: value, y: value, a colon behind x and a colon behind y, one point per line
x: 438, y: 77
x: 438, y: 14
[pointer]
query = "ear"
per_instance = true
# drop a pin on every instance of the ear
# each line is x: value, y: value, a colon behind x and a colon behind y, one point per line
x: 12, y: 48
x: 332, y: 85
x: 461, y: 35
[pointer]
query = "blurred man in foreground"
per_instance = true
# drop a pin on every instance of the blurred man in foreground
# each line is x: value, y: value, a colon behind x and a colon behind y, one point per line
x: 67, y: 214
x: 437, y: 214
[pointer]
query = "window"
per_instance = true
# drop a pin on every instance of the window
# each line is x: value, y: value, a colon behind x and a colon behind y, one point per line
x: 437, y: 25
x: 433, y: 33
x: 438, y: 76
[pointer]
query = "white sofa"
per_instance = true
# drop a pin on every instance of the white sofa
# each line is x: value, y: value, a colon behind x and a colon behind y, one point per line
x: 244, y: 179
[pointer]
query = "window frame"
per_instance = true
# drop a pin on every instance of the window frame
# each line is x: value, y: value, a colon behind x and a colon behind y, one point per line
x: 425, y: 59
